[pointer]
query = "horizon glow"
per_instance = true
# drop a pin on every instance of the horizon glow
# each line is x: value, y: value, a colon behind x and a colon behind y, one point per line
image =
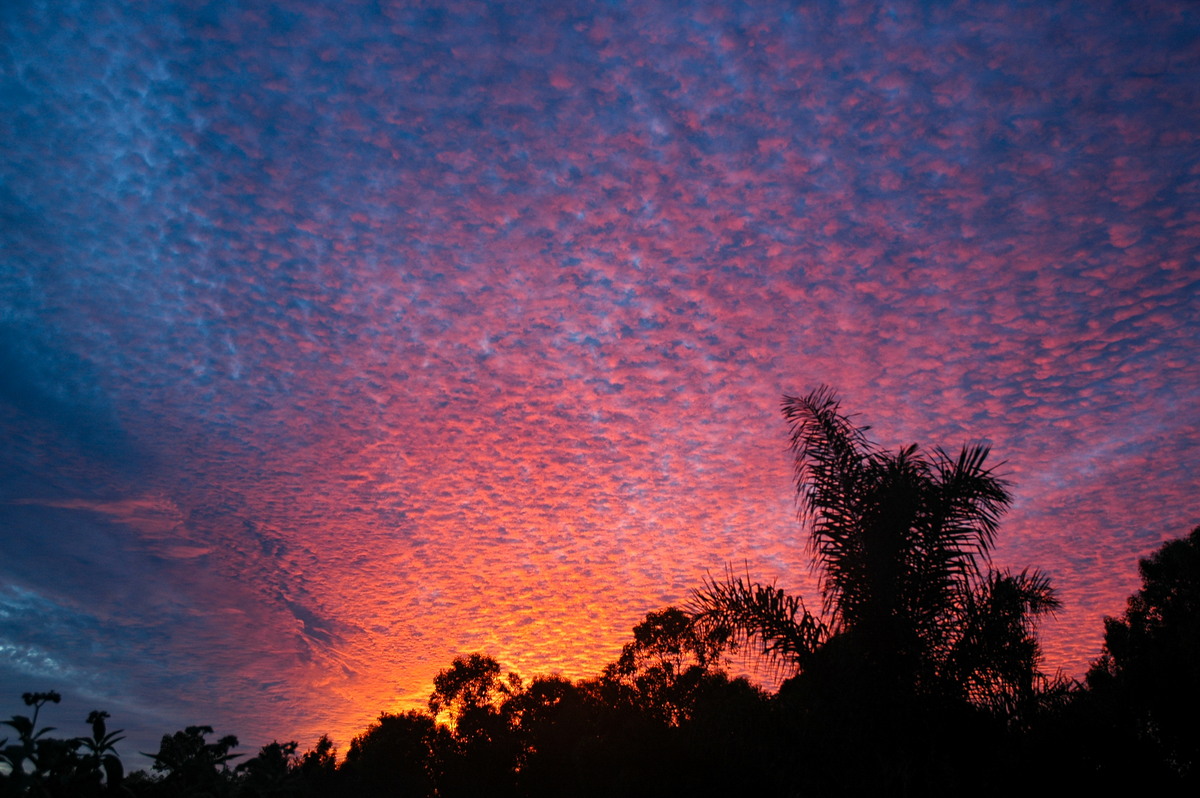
x: 336, y: 344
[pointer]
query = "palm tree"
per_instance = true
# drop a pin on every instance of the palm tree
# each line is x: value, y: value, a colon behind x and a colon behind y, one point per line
x: 901, y: 541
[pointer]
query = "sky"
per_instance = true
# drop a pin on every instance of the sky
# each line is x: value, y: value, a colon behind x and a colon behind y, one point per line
x: 339, y: 339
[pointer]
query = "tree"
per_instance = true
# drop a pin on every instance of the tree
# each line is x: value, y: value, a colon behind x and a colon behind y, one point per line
x: 398, y: 755
x: 899, y: 539
x: 914, y: 624
x: 664, y: 667
x: 273, y: 772
x: 318, y: 767
x: 663, y: 719
x: 42, y: 765
x: 473, y: 696
x: 555, y: 726
x: 1148, y: 678
x: 471, y: 693
x: 193, y: 766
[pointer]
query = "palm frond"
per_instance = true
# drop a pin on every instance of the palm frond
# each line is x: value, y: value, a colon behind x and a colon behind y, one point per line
x: 997, y: 654
x: 831, y: 457
x: 902, y: 544
x: 747, y: 614
x: 973, y: 498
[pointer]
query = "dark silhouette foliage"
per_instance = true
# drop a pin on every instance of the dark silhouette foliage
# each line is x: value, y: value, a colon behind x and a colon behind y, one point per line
x: 917, y: 633
x: 189, y: 765
x: 319, y: 768
x: 918, y: 676
x: 37, y: 764
x: 664, y: 666
x: 274, y: 771
x: 398, y: 755
x: 899, y: 540
x: 1146, y: 684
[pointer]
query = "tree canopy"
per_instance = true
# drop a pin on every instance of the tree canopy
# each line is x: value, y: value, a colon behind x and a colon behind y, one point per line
x: 1149, y: 671
x: 919, y: 674
x: 902, y: 543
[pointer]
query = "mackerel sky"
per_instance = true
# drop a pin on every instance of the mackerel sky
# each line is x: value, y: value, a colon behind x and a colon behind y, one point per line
x: 337, y: 339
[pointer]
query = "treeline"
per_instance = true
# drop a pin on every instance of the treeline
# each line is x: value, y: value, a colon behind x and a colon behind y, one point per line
x: 666, y: 719
x: 920, y: 676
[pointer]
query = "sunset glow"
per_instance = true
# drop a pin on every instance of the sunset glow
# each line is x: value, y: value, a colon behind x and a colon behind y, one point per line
x: 340, y: 339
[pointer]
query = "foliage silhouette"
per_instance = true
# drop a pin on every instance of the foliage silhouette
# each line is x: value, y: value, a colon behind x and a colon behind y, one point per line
x: 101, y: 749
x: 398, y: 755
x: 919, y: 675
x: 274, y: 771
x: 898, y: 540
x: 473, y: 696
x: 41, y: 765
x: 555, y: 725
x: 1147, y: 680
x: 471, y: 693
x: 664, y: 665
x: 192, y: 766
x: 318, y: 768
x: 22, y: 761
x: 915, y: 633
x: 745, y: 613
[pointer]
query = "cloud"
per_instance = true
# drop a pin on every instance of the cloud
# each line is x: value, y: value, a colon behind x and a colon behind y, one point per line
x: 343, y: 343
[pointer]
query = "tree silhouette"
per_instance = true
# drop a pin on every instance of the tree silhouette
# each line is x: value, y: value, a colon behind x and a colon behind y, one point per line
x: 1147, y: 681
x: 555, y: 723
x: 398, y: 755
x: 318, y: 767
x: 899, y: 539
x: 37, y: 764
x: 473, y: 696
x: 193, y: 766
x: 274, y: 772
x: 471, y: 693
x: 664, y: 667
x: 914, y: 624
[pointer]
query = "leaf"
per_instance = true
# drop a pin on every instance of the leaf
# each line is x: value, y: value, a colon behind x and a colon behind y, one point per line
x: 114, y: 771
x: 750, y: 613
